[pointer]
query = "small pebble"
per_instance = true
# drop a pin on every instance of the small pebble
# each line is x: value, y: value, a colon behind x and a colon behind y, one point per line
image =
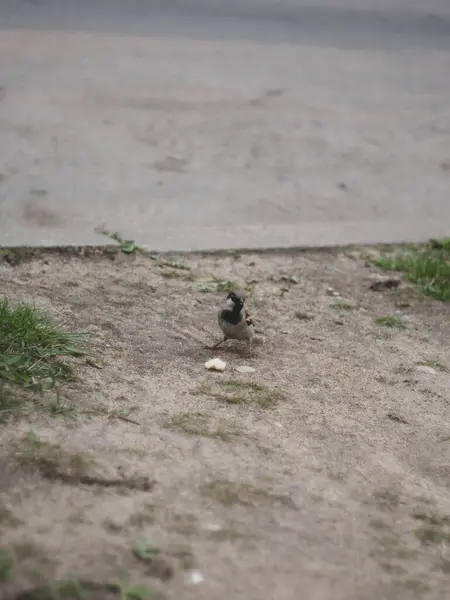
x: 194, y: 577
x: 215, y: 364
x: 425, y: 369
x: 245, y: 369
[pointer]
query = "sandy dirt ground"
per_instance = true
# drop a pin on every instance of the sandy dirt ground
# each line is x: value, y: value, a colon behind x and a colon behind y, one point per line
x: 325, y: 474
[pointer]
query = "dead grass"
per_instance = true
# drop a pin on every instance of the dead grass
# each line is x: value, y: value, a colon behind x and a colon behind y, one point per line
x: 200, y: 424
x: 391, y: 321
x: 236, y: 391
x: 434, y: 364
x: 144, y: 516
x: 230, y: 493
x: 344, y: 306
x: 49, y: 459
x: 435, y: 528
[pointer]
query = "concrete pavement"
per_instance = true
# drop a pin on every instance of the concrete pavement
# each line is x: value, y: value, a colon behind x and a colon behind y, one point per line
x: 205, y: 124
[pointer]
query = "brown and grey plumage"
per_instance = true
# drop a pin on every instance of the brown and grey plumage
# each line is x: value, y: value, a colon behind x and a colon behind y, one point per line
x: 234, y: 320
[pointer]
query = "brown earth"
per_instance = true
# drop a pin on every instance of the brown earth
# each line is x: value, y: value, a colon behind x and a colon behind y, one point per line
x: 323, y: 475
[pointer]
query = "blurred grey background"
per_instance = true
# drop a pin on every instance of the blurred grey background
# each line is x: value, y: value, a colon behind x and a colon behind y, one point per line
x: 204, y: 124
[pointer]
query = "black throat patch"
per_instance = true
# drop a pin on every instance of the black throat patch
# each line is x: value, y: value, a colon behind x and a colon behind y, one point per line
x: 233, y: 317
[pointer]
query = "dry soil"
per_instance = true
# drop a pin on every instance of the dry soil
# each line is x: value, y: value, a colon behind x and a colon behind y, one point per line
x: 325, y: 474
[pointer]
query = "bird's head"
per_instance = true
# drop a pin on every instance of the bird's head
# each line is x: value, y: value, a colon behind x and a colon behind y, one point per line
x: 235, y: 301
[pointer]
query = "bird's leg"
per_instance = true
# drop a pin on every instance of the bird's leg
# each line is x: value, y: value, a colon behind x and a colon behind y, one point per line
x: 218, y: 344
x: 249, y: 347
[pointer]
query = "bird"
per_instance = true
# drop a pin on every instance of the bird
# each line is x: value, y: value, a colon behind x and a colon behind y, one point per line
x: 234, y: 320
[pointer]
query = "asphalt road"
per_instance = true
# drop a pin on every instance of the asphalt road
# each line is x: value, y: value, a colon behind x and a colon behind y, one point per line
x: 205, y: 124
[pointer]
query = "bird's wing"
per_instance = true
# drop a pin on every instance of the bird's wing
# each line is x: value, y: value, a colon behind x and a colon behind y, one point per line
x: 248, y: 319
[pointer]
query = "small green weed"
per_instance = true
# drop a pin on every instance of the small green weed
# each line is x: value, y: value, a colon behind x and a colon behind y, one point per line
x: 126, y: 246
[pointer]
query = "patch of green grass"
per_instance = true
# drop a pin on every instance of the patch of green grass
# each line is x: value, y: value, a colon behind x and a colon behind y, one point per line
x: 344, y: 306
x: 199, y: 424
x: 224, y: 285
x: 50, y: 460
x: 6, y: 565
x: 236, y: 391
x: 391, y: 321
x: 428, y: 266
x: 33, y: 353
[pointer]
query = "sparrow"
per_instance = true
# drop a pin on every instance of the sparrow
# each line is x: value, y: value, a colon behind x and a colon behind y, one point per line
x: 234, y: 320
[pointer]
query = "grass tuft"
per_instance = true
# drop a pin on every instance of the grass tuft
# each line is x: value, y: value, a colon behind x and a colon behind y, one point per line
x: 235, y: 391
x: 343, y: 306
x: 391, y: 321
x: 427, y: 266
x: 50, y: 460
x: 199, y: 424
x: 230, y: 493
x: 32, y: 353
